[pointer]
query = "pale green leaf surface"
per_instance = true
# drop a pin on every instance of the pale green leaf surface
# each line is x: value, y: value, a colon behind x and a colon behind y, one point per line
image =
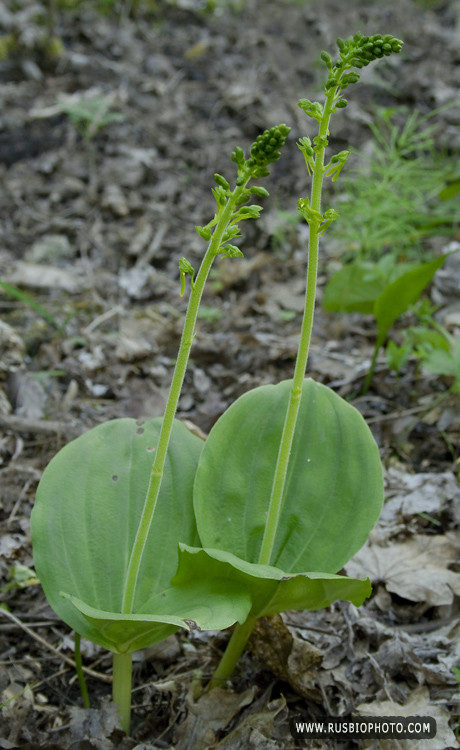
x: 87, y: 512
x: 334, y: 487
x: 271, y: 589
x: 207, y: 604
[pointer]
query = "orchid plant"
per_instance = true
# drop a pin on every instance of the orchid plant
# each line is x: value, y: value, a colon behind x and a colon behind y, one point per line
x: 141, y: 528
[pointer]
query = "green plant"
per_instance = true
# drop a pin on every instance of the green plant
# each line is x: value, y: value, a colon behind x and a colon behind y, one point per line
x: 89, y: 114
x: 430, y: 343
x: 384, y: 289
x: 444, y: 361
x: 104, y: 566
x: 397, y: 196
x: 20, y: 577
x: 13, y: 291
x: 288, y: 481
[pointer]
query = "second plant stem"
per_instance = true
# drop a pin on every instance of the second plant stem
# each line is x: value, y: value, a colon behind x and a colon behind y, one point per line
x: 188, y: 335
x: 242, y: 632
x: 122, y: 663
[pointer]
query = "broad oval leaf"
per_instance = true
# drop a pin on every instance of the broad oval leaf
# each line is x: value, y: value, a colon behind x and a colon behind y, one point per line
x: 207, y: 604
x: 87, y: 512
x: 271, y: 589
x: 334, y: 487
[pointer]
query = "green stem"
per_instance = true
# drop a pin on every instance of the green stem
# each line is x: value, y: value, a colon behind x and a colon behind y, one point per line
x: 242, y: 632
x: 188, y: 335
x: 370, y: 372
x: 79, y: 669
x: 274, y: 508
x: 235, y: 648
x: 121, y: 688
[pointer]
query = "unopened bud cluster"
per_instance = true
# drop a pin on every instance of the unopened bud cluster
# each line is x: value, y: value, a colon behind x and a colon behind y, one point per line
x: 266, y: 149
x: 361, y: 50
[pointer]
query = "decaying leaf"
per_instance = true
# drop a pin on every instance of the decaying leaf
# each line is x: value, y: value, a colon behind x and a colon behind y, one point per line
x: 416, y: 569
x: 208, y: 715
x: 255, y: 731
x: 289, y: 657
x: 418, y: 705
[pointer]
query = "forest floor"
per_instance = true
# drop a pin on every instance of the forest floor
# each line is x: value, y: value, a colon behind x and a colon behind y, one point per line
x: 92, y: 230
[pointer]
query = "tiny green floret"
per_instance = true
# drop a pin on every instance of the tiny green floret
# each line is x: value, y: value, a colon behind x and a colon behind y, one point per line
x: 185, y: 268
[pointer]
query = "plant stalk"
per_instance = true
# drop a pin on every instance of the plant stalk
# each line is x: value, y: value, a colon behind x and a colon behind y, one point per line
x: 186, y: 342
x: 235, y: 648
x: 79, y: 669
x: 242, y: 632
x: 121, y: 688
x: 279, y: 480
x: 370, y: 372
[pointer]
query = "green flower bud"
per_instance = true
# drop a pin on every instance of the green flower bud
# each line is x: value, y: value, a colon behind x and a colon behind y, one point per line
x: 231, y: 251
x: 219, y: 195
x: 261, y: 172
x: 230, y: 233
x: 341, y: 104
x: 204, y: 232
x: 340, y: 43
x: 350, y: 78
x: 238, y: 156
x: 221, y: 181
x: 249, y: 212
x: 330, y: 83
x: 244, y: 197
x: 260, y: 191
x: 186, y: 267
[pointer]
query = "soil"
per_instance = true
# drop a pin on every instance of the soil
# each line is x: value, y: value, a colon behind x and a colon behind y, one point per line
x: 91, y: 230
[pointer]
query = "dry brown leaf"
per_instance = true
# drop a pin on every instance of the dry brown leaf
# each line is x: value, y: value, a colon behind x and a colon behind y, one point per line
x: 291, y: 658
x: 417, y: 705
x: 416, y: 569
x: 208, y: 715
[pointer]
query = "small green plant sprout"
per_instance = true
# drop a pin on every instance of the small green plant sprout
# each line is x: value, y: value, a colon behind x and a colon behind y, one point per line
x: 89, y: 114
x: 20, y: 577
x: 398, y: 356
x: 113, y: 505
x: 15, y: 293
x: 384, y: 289
x: 289, y: 482
x: 444, y: 362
